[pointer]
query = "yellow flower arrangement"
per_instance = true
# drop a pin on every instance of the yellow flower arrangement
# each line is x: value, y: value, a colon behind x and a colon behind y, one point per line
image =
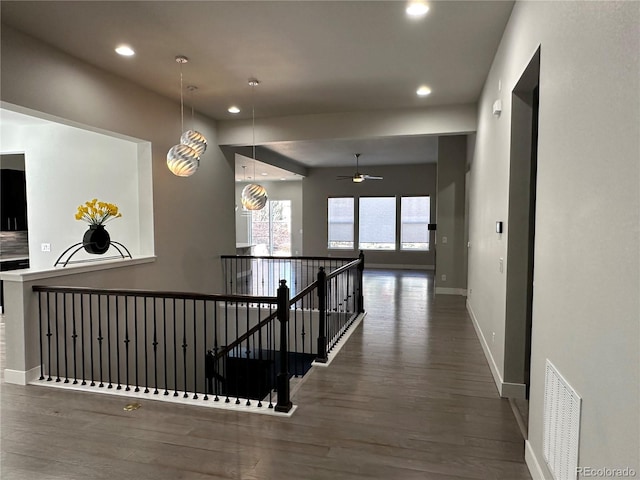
x: 97, y: 213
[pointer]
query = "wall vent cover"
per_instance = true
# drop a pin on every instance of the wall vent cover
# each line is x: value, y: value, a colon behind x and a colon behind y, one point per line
x: 561, y: 418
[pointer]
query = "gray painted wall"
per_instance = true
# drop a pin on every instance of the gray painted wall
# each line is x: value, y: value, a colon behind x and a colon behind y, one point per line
x: 451, y: 256
x: 193, y: 217
x: 398, y: 180
x: 586, y: 302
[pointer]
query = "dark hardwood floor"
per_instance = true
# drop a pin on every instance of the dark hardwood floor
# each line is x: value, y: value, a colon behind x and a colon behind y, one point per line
x: 410, y: 396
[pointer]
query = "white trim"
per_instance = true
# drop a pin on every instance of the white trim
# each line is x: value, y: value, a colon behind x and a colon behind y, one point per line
x: 506, y: 389
x: 265, y: 410
x: 20, y: 377
x: 514, y: 390
x: 532, y: 462
x: 398, y: 266
x: 451, y: 291
x: 27, y: 274
x: 333, y: 353
x: 519, y: 419
x: 497, y: 378
x: 64, y: 121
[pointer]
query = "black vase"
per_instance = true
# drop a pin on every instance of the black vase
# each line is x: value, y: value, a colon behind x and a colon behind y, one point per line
x: 96, y: 240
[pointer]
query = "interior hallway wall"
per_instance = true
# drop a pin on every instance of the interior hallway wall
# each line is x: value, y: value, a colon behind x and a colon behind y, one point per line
x: 586, y: 275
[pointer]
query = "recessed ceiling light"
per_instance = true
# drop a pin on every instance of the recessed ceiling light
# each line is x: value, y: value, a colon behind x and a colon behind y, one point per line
x: 125, y: 51
x: 423, y: 91
x: 417, y: 9
x: 283, y: 178
x: 264, y: 174
x: 233, y: 109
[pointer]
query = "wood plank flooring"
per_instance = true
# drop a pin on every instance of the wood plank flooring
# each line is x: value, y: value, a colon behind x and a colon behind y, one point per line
x: 410, y: 396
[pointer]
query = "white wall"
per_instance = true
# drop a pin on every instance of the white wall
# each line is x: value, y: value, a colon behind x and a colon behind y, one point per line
x: 586, y: 273
x: 67, y: 166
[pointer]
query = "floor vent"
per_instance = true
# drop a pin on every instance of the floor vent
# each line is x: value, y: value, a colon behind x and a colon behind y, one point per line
x: 561, y: 425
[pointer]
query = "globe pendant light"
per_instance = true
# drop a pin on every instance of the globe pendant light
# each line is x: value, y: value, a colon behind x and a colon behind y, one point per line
x: 195, y: 140
x: 254, y: 196
x: 182, y: 159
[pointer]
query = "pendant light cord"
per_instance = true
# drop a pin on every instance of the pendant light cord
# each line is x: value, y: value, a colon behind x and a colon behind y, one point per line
x: 181, y: 103
x: 253, y: 126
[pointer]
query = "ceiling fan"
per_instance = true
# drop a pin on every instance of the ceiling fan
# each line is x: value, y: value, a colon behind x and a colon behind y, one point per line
x: 358, y: 177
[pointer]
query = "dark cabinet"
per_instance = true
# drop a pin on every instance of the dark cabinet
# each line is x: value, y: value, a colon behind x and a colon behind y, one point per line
x: 8, y: 265
x: 13, y: 200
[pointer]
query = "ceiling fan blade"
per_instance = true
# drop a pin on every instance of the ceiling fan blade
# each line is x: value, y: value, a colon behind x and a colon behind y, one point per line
x: 357, y: 177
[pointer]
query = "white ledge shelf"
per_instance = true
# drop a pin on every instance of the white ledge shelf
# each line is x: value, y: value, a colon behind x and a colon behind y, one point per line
x: 29, y: 274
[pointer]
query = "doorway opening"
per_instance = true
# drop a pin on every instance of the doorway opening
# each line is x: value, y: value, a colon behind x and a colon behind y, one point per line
x: 271, y: 229
x: 525, y: 99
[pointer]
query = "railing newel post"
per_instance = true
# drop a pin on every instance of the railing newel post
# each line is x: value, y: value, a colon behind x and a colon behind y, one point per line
x: 322, y: 311
x: 360, y: 283
x: 284, y: 402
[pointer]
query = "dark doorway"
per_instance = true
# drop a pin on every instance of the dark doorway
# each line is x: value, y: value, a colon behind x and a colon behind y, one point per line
x: 525, y: 99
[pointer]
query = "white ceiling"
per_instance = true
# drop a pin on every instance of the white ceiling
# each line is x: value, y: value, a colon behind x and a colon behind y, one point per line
x: 310, y: 56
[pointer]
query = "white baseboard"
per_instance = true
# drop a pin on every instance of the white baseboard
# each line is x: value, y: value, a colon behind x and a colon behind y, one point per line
x: 20, y: 377
x: 241, y: 407
x: 451, y: 291
x: 505, y: 389
x: 397, y: 266
x: 497, y: 378
x: 532, y: 462
x: 333, y: 353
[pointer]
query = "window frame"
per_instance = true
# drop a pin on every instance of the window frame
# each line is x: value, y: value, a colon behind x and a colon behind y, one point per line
x: 353, y: 223
x: 270, y: 222
x: 395, y: 223
x: 401, y: 223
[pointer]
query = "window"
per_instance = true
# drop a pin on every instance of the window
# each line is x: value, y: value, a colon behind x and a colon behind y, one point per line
x: 271, y: 229
x: 340, y: 222
x: 414, y: 223
x: 377, y: 223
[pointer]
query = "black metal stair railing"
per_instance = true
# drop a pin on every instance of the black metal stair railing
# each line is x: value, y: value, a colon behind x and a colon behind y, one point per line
x: 319, y: 315
x: 340, y: 301
x: 261, y: 275
x: 147, y: 341
x: 235, y: 348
